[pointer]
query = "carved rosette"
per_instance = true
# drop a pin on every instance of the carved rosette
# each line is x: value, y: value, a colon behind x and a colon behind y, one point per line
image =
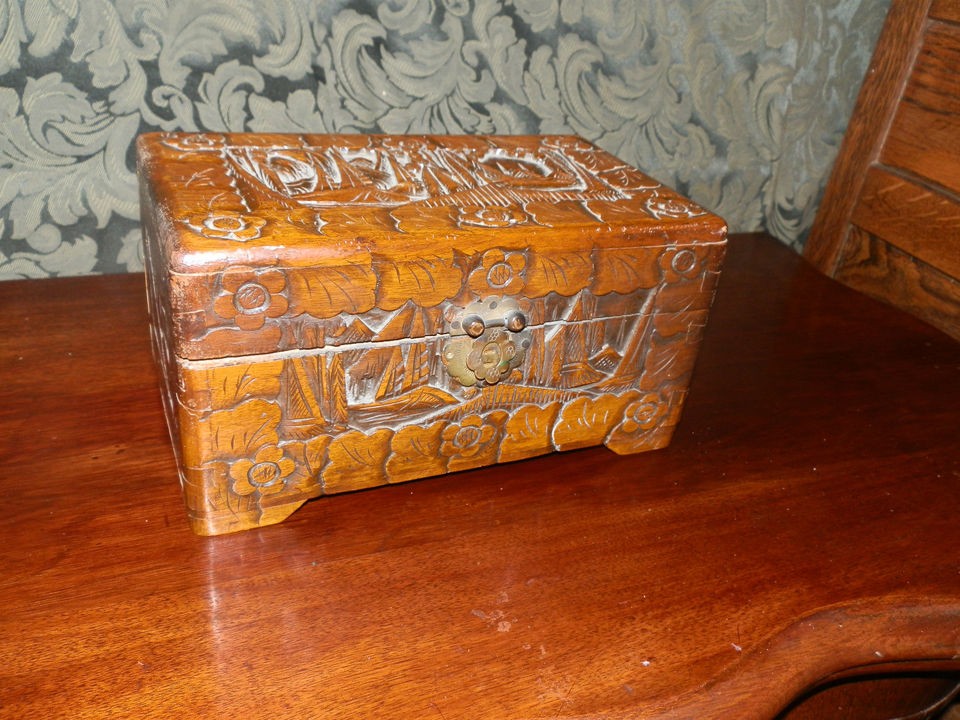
x: 646, y: 424
x: 194, y: 142
x: 265, y: 473
x: 679, y: 264
x: 248, y: 297
x: 491, y: 216
x: 227, y: 225
x: 472, y: 442
x: 500, y: 272
x: 672, y: 207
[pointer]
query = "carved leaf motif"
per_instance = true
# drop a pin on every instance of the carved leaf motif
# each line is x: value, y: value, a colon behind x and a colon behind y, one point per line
x: 236, y: 432
x: 232, y: 384
x: 625, y: 270
x: 310, y: 457
x: 528, y: 432
x: 231, y: 340
x: 207, y: 490
x: 426, y: 280
x: 416, y: 453
x: 673, y: 348
x: 327, y: 291
x: 315, y: 453
x: 565, y: 273
x: 586, y: 421
x: 629, y: 443
x: 356, y: 460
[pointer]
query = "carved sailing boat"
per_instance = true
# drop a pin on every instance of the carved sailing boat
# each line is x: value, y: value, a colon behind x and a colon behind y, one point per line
x: 393, y: 382
x: 314, y: 390
x: 633, y: 335
x: 575, y: 342
x: 408, y: 368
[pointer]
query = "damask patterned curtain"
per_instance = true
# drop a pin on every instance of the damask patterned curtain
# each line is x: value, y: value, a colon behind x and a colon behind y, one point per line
x: 739, y: 104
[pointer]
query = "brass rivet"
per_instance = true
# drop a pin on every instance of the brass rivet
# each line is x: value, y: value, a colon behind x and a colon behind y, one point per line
x: 516, y: 321
x: 473, y: 325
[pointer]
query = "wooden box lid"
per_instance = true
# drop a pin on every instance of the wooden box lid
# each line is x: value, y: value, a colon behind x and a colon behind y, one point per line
x: 249, y: 235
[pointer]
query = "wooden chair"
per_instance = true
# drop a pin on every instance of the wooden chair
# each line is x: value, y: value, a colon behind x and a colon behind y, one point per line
x: 889, y: 223
x: 889, y: 226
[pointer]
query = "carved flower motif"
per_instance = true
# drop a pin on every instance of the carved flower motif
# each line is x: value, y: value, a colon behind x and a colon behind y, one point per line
x: 494, y: 216
x: 671, y: 208
x: 682, y: 263
x: 227, y: 226
x: 471, y: 437
x: 266, y: 473
x: 249, y: 297
x: 499, y: 271
x: 643, y: 414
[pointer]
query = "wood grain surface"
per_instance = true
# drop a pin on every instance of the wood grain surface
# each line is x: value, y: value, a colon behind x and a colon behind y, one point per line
x: 888, y: 225
x: 925, y: 133
x: 946, y: 10
x: 876, y: 104
x: 881, y: 270
x: 919, y: 221
x: 802, y: 526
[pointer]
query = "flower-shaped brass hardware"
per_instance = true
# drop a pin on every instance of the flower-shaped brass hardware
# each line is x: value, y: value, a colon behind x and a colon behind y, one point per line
x: 487, y: 342
x: 492, y: 358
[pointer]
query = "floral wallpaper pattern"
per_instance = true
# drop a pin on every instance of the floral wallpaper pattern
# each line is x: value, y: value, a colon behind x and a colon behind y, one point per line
x: 739, y: 104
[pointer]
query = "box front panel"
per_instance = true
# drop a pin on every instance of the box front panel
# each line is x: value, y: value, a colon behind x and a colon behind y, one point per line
x: 262, y: 435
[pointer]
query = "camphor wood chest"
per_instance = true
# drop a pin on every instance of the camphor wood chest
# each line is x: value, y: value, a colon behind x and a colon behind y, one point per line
x: 334, y: 312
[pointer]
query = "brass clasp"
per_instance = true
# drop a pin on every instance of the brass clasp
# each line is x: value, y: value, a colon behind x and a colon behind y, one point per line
x: 486, y: 342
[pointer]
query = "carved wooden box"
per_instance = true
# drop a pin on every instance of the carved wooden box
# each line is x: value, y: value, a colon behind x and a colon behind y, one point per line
x: 334, y: 312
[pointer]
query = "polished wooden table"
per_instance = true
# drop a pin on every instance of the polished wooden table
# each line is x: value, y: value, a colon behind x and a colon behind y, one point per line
x: 804, y: 524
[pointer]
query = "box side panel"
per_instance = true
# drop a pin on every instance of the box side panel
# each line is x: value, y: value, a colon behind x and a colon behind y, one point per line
x: 242, y: 465
x: 262, y: 435
x: 161, y: 317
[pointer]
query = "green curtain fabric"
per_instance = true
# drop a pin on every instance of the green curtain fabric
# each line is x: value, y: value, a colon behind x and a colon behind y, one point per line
x: 739, y: 104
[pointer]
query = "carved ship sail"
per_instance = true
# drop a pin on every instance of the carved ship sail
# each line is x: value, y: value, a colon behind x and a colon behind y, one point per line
x: 404, y: 391
x: 574, y: 343
x: 408, y: 368
x: 408, y: 365
x: 635, y: 332
x: 315, y: 395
